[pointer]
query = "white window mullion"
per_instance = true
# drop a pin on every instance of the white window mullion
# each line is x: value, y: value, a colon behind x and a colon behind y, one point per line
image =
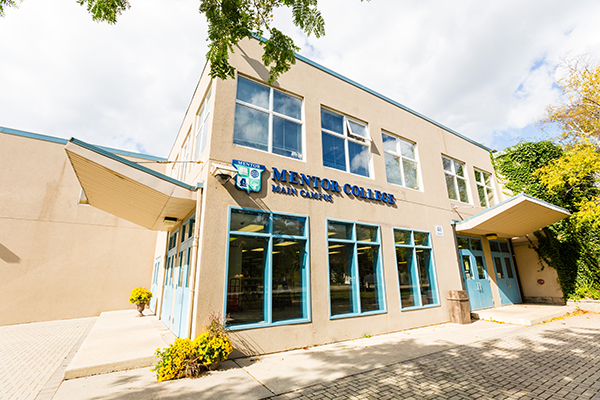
x: 270, y: 135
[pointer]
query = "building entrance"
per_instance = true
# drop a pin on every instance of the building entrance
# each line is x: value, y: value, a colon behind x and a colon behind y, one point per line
x: 475, y: 274
x: 182, y: 280
x: 505, y: 274
x: 167, y: 300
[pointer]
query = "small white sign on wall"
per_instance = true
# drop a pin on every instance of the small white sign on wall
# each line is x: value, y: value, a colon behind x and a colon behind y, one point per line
x: 439, y: 230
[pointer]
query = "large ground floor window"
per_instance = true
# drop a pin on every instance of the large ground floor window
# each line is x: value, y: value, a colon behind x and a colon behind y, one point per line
x: 267, y: 275
x: 416, y: 270
x: 355, y: 271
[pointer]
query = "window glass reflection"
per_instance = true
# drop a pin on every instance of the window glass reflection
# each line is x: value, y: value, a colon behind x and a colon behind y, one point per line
x: 287, y: 287
x: 245, y: 280
x: 340, y: 278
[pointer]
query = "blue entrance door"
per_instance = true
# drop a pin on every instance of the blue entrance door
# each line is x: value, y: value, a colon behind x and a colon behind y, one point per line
x: 167, y: 301
x: 475, y: 273
x: 182, y: 281
x: 505, y: 273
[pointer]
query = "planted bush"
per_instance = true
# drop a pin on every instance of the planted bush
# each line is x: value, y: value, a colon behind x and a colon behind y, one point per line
x: 189, y: 358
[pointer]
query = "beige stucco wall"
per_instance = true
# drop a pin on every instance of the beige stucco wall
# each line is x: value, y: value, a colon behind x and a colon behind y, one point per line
x: 414, y: 209
x: 530, y: 270
x: 59, y: 259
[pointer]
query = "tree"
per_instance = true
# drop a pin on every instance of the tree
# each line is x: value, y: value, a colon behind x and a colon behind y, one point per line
x: 6, y: 3
x: 568, y: 246
x: 578, y: 118
x: 230, y: 21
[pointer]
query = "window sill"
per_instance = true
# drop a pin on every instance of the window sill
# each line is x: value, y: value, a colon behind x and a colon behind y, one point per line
x: 256, y: 325
x: 268, y: 152
x: 419, y: 307
x: 354, y: 315
x: 348, y: 172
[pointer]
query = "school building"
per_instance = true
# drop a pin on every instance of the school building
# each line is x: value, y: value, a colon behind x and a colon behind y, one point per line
x: 316, y: 210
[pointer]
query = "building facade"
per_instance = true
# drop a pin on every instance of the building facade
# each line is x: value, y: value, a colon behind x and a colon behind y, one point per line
x: 316, y: 210
x: 60, y: 258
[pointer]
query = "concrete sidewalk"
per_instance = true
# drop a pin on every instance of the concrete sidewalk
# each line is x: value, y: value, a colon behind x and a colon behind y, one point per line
x: 112, y: 345
x: 259, y: 377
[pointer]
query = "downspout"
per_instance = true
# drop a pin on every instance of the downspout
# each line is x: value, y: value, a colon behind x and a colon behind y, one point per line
x: 460, y: 273
x: 195, y: 247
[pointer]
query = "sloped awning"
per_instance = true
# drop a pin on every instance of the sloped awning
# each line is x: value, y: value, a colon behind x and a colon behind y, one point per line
x: 129, y: 190
x: 517, y: 216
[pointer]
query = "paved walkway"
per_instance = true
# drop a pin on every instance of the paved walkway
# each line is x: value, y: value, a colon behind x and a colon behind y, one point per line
x: 556, y: 360
x: 559, y: 360
x: 33, y: 356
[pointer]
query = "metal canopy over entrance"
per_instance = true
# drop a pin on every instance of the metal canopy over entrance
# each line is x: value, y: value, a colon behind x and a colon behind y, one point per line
x: 129, y: 190
x: 514, y: 217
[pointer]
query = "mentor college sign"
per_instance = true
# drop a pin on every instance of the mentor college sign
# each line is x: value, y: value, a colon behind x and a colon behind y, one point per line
x: 307, y: 186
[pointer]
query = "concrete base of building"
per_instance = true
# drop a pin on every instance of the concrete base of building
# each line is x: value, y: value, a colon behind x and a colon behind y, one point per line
x: 587, y: 305
x: 558, y: 301
x: 523, y: 314
x: 119, y: 341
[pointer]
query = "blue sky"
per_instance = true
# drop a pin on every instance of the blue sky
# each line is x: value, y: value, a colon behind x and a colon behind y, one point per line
x: 485, y: 69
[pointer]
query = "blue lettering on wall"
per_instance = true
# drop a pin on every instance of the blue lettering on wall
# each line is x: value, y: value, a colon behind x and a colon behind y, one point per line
x: 328, y: 185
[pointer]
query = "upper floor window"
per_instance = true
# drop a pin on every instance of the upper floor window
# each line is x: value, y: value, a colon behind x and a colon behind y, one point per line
x: 400, y: 161
x: 175, y: 169
x: 202, y: 125
x: 345, y: 143
x: 185, y: 157
x: 484, y: 188
x: 267, y: 119
x: 456, y: 180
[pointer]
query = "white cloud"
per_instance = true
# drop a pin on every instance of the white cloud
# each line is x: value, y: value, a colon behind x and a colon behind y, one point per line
x: 467, y: 64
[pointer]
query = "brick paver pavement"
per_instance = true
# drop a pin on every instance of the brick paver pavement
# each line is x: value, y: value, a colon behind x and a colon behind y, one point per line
x: 31, y: 353
x: 558, y: 360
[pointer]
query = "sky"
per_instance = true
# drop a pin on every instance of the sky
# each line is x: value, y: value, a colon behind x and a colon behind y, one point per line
x: 486, y: 69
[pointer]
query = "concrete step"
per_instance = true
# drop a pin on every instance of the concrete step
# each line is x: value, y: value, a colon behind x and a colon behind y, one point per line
x: 119, y: 341
x: 522, y: 314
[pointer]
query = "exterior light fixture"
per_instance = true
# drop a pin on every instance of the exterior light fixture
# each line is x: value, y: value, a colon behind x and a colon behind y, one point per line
x: 491, y: 236
x: 222, y: 172
x: 169, y: 222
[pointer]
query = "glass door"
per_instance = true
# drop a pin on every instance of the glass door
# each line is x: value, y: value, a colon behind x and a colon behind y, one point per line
x: 475, y: 274
x: 167, y: 301
x: 505, y: 272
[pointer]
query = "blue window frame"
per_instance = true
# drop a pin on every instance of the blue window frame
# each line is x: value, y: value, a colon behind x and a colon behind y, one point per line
x: 355, y: 272
x: 346, y: 143
x: 267, y: 269
x: 268, y: 120
x: 416, y: 269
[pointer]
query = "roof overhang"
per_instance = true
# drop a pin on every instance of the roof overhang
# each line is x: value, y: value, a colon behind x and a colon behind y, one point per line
x: 517, y: 216
x: 128, y: 190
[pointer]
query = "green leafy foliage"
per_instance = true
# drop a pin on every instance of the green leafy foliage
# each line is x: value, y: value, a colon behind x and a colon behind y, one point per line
x: 6, y: 3
x: 568, y: 246
x: 516, y: 166
x: 105, y: 10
